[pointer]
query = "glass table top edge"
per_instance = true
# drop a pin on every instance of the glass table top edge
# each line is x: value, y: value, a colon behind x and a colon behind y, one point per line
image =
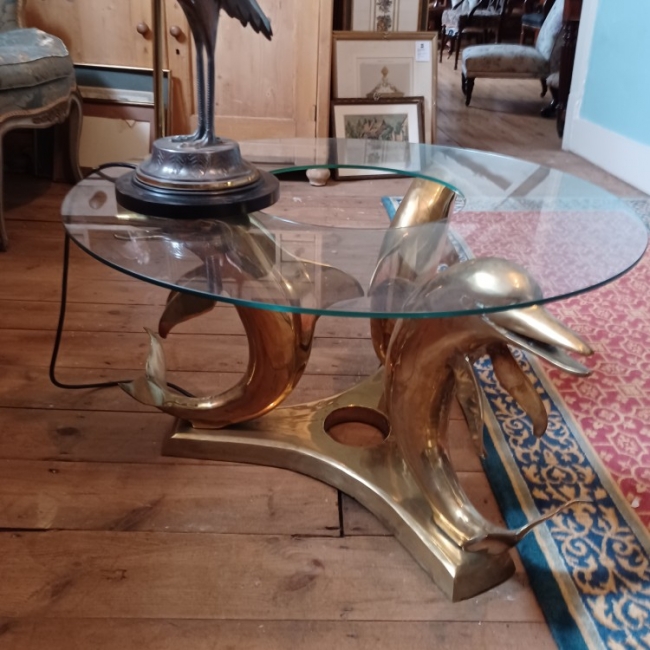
x: 632, y: 244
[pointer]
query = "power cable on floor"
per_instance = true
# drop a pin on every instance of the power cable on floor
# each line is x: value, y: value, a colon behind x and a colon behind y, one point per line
x: 64, y: 301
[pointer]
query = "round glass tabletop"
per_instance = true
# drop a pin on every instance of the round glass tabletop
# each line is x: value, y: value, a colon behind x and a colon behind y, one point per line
x: 550, y: 234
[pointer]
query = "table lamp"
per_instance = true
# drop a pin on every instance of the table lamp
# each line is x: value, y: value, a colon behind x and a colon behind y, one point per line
x: 201, y: 175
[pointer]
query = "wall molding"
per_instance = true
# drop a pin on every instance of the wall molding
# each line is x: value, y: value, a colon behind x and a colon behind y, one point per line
x: 616, y: 154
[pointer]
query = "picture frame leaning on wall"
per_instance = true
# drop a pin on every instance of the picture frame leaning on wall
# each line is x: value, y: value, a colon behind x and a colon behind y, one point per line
x: 377, y: 132
x: 388, y: 65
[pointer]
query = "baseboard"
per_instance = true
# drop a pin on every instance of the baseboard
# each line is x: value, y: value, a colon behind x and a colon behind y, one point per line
x: 616, y: 154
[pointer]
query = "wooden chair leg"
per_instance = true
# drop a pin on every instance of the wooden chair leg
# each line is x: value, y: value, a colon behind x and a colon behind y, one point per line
x: 67, y: 139
x: 74, y: 135
x: 443, y: 40
x: 469, y: 88
x: 550, y: 110
x: 452, y: 44
x: 458, y: 40
x: 3, y: 231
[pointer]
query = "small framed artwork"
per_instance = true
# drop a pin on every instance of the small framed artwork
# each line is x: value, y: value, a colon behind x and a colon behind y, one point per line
x: 377, y: 133
x: 386, y: 15
x: 391, y: 65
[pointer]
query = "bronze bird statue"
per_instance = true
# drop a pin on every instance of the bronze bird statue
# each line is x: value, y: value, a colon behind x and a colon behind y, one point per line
x: 203, y: 19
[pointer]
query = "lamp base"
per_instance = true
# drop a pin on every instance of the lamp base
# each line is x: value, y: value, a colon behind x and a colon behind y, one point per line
x: 186, y: 180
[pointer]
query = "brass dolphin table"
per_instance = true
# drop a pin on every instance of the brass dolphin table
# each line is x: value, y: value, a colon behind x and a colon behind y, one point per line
x: 478, y: 245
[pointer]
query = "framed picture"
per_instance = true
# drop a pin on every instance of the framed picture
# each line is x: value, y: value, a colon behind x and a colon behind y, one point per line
x: 372, y: 132
x: 391, y: 65
x: 119, y: 113
x: 385, y: 15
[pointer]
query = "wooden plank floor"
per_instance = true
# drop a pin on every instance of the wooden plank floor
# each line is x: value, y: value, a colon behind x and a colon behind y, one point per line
x: 107, y: 545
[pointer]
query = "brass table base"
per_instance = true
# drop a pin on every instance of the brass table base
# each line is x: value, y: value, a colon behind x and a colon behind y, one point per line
x: 295, y: 438
x: 406, y: 478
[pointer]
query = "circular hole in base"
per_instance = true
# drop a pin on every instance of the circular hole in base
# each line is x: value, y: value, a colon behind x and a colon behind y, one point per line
x: 357, y: 426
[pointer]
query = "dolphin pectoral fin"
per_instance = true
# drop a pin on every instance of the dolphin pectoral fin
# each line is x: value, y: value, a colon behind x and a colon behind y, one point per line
x: 517, y: 384
x: 150, y: 389
x: 337, y: 285
x: 471, y: 399
x: 496, y: 539
x: 182, y: 307
x: 156, y: 367
x: 144, y: 391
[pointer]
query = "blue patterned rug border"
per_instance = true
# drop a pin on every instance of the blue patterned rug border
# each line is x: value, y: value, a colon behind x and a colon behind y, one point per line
x: 599, y: 564
x: 533, y: 549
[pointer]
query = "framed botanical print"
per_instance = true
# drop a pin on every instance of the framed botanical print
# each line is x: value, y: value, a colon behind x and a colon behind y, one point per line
x: 385, y: 15
x: 383, y: 125
x: 369, y: 65
x: 394, y: 120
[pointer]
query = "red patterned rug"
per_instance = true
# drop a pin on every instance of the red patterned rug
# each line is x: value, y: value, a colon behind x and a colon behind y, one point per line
x: 612, y: 406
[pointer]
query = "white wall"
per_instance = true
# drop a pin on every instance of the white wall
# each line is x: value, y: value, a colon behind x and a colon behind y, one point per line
x: 608, y: 116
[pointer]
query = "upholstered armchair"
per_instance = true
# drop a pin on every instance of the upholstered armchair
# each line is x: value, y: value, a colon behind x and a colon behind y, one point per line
x: 37, y: 87
x: 515, y: 61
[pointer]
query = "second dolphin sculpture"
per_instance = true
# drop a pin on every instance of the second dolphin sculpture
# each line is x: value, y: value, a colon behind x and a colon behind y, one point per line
x: 438, y: 349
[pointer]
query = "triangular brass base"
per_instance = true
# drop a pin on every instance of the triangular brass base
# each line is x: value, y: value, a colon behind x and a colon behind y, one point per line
x: 295, y: 438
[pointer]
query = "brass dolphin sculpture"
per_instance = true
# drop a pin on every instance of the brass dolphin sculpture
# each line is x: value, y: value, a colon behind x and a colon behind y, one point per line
x: 442, y: 350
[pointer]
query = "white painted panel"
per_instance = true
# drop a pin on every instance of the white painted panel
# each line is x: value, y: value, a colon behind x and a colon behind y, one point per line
x: 106, y: 140
x: 625, y: 158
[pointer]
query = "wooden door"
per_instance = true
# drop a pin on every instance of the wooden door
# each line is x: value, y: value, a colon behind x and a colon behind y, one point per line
x: 264, y: 89
x: 280, y: 88
x: 108, y: 32
x: 179, y: 57
x: 120, y: 33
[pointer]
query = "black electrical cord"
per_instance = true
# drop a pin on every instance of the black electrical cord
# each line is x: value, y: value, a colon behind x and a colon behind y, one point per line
x: 64, y: 302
